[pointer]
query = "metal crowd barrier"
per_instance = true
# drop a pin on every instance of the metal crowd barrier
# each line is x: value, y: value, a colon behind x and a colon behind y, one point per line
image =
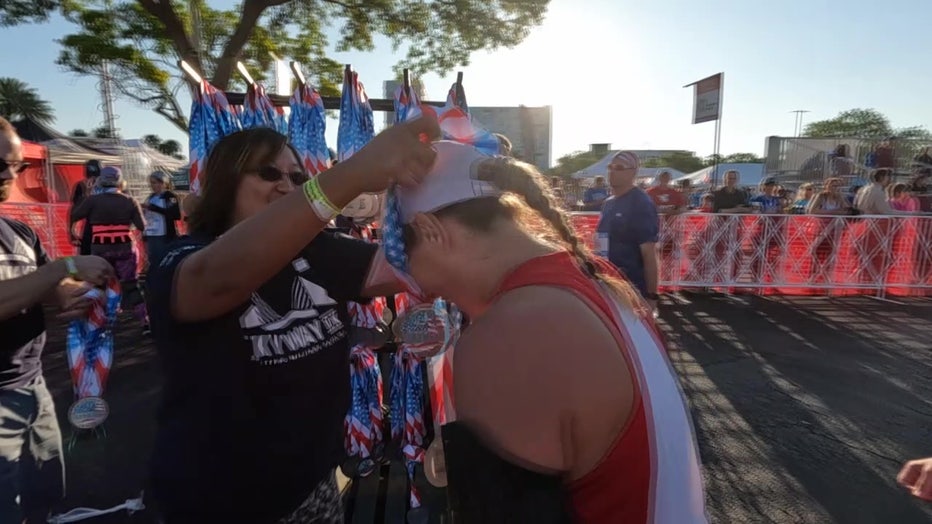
x: 767, y: 254
x: 792, y: 254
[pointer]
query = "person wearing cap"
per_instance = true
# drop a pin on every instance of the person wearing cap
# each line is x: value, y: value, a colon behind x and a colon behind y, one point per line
x: 768, y: 202
x: 550, y: 379
x: 110, y: 216
x: 161, y: 210
x: 31, y: 460
x: 249, y: 315
x: 630, y: 221
x: 669, y: 200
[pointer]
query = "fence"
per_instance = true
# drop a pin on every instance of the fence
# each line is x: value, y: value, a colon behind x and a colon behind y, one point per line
x: 769, y: 254
x: 792, y: 254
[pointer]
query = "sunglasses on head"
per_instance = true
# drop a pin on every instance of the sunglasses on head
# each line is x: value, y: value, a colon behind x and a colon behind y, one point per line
x: 273, y: 174
x: 15, y: 167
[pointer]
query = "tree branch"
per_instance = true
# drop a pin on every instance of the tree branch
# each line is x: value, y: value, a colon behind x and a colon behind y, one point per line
x: 252, y: 10
x: 174, y: 29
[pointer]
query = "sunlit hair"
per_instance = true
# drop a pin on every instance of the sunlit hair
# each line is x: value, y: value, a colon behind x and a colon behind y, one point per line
x: 229, y: 161
x: 801, y: 192
x: 529, y: 202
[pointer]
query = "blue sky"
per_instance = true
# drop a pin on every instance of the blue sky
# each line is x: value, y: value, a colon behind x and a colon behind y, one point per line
x: 614, y: 70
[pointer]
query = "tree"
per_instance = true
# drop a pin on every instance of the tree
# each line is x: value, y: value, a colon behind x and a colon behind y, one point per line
x: 683, y: 161
x: 167, y: 147
x: 78, y: 133
x: 19, y: 101
x: 862, y: 123
x: 103, y: 132
x: 141, y: 40
x: 741, y: 158
x: 573, y: 162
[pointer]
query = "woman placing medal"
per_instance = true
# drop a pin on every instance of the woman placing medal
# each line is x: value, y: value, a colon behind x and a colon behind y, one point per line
x: 567, y: 408
x: 249, y: 315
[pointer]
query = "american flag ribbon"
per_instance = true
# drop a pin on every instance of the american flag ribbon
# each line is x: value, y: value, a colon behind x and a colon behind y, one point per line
x: 89, y: 344
x: 259, y: 111
x: 212, y: 118
x: 307, y: 126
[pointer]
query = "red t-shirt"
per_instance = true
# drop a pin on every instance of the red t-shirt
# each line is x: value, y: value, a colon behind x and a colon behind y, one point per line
x: 666, y: 198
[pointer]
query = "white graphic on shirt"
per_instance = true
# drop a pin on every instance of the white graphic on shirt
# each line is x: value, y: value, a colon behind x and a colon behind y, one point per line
x: 155, y: 222
x: 301, y: 331
x: 18, y: 262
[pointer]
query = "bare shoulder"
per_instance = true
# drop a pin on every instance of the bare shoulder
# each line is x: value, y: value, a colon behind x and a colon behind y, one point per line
x: 531, y: 333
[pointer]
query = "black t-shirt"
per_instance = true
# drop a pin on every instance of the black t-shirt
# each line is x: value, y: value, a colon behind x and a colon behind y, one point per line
x: 254, y: 401
x: 22, y: 336
x: 726, y: 199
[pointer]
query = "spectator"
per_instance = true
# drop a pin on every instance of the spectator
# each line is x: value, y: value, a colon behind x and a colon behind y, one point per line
x: 82, y: 190
x: 922, y: 163
x: 886, y: 154
x: 916, y: 476
x: 707, y: 203
x: 730, y: 198
x: 595, y: 196
x: 803, y: 198
x: 629, y: 221
x: 872, y: 199
x: 901, y: 199
x: 668, y: 200
x: 842, y: 166
x: 31, y: 464
x: 161, y: 211
x: 110, y: 215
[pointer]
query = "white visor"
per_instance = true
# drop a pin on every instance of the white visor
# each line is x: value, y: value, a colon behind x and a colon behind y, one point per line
x: 451, y: 180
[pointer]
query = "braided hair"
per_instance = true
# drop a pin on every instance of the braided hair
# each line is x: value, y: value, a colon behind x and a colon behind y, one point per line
x: 524, y: 181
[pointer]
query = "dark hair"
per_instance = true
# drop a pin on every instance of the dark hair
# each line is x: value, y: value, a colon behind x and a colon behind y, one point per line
x: 880, y: 174
x: 898, y: 188
x: 524, y: 181
x: 229, y: 160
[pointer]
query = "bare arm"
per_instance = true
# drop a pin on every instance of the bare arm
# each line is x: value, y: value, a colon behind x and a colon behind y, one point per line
x: 651, y: 266
x: 17, y: 294
x: 225, y: 273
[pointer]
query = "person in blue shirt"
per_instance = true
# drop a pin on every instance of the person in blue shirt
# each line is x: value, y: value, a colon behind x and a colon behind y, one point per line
x: 629, y: 226
x: 769, y: 202
x: 596, y: 195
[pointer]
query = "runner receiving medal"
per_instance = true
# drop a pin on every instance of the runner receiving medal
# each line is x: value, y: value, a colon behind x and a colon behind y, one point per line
x: 553, y: 376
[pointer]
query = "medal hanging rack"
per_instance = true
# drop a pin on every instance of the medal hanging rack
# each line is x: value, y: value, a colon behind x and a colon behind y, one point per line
x: 330, y: 102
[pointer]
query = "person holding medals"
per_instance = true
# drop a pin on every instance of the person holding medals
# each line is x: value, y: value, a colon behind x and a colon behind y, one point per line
x: 249, y: 316
x: 567, y: 407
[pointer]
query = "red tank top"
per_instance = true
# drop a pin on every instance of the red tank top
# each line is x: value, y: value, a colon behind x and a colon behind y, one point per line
x: 625, y: 486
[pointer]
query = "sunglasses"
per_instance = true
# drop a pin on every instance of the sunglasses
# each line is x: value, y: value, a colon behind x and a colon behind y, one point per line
x: 273, y: 174
x: 14, y: 167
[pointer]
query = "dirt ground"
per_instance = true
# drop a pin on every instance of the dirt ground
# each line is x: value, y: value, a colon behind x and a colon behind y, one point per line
x: 805, y: 408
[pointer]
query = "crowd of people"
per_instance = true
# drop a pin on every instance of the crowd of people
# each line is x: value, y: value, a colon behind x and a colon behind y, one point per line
x: 249, y: 315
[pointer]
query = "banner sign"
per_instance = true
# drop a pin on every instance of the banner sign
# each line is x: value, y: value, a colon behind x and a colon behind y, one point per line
x: 707, y: 99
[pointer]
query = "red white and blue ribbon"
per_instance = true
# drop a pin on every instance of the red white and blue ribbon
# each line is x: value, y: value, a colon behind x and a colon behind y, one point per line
x: 90, y: 342
x: 259, y: 111
x: 364, y: 420
x: 212, y: 118
x: 307, y: 126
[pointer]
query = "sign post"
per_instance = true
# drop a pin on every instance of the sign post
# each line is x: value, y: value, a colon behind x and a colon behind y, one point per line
x: 707, y: 106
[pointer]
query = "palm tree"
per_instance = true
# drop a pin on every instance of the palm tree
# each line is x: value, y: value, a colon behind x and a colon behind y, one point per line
x: 19, y: 101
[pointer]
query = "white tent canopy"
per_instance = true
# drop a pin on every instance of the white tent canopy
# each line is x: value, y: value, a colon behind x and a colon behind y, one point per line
x: 600, y: 168
x: 748, y: 175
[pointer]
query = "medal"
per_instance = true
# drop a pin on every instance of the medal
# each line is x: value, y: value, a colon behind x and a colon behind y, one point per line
x: 435, y: 466
x: 426, y: 330
x: 88, y: 412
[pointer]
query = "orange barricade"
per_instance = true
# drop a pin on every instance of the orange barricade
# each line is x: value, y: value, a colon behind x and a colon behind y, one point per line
x: 791, y: 254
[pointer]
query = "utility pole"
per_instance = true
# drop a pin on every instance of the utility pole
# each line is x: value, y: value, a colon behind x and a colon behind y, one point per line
x: 798, y: 124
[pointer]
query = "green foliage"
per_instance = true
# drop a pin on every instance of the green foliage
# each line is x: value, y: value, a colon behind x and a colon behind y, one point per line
x: 142, y: 40
x: 862, y: 123
x: 14, y: 12
x: 742, y: 158
x: 683, y: 161
x: 78, y: 133
x: 102, y: 132
x: 573, y: 162
x: 19, y: 101
x: 167, y: 147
